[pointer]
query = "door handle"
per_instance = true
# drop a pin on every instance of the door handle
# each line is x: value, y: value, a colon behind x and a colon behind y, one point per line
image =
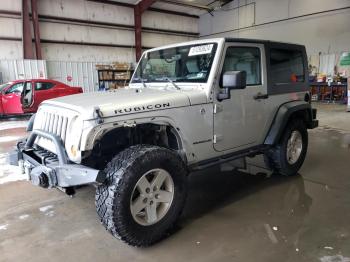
x: 261, y: 96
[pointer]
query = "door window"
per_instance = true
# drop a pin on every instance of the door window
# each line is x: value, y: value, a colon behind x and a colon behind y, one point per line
x: 286, y: 66
x: 244, y: 59
x: 39, y: 86
x: 16, y: 88
x: 27, y: 94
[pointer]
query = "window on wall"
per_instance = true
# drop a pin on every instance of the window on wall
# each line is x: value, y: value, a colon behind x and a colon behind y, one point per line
x: 43, y: 86
x: 286, y: 66
x: 244, y: 59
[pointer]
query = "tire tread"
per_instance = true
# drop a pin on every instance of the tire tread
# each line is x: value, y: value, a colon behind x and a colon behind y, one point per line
x: 107, y: 195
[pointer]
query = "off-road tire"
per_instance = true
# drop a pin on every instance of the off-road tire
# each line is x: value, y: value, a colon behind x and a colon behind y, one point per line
x: 277, y: 156
x: 113, y: 197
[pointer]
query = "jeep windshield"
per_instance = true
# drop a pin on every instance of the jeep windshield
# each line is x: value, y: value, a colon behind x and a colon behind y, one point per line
x: 190, y: 63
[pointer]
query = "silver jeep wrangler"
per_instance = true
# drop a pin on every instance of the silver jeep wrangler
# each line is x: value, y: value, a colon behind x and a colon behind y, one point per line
x: 189, y: 106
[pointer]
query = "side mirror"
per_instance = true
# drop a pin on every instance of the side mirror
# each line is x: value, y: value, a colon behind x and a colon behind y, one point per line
x: 234, y: 79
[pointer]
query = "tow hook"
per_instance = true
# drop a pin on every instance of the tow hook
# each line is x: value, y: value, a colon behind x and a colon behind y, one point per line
x: 40, y: 180
x: 43, y: 176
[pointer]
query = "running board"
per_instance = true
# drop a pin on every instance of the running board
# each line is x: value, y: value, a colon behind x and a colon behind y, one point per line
x: 229, y: 157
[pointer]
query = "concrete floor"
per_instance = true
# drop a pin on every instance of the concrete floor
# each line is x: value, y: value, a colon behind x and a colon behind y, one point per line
x: 228, y: 217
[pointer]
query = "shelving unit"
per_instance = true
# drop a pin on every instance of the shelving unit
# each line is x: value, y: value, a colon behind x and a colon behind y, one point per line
x: 114, y: 76
x: 335, y: 92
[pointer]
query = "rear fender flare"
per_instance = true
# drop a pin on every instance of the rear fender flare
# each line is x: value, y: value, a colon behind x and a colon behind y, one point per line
x: 283, y: 115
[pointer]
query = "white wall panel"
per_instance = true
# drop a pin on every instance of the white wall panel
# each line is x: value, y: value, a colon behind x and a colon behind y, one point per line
x: 78, y: 33
x: 171, y: 22
x: 302, y: 7
x: 63, y: 52
x: 81, y: 9
x: 10, y: 49
x: 227, y: 19
x: 269, y: 10
x: 11, y: 5
x: 10, y: 27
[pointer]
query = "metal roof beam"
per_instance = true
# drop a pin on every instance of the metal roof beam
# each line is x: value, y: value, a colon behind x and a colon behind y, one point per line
x: 159, y: 10
x: 178, y: 3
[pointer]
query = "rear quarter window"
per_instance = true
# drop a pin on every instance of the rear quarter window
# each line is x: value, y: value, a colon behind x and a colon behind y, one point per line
x: 39, y: 86
x: 286, y: 66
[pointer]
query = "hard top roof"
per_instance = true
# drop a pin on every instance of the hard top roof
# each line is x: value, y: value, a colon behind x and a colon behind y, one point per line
x: 258, y: 41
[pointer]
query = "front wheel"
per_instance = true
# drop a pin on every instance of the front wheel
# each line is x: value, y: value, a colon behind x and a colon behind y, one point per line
x: 288, y: 155
x: 143, y: 195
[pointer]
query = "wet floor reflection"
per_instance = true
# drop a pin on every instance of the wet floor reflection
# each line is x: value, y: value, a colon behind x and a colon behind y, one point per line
x: 209, y: 191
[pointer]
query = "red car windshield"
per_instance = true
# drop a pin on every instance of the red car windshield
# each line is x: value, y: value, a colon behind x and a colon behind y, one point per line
x: 3, y: 86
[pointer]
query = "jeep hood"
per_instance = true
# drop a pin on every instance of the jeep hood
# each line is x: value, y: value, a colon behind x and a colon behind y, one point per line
x: 127, y: 101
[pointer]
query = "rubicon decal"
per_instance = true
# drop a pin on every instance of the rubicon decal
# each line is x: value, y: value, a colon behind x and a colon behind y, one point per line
x: 141, y: 108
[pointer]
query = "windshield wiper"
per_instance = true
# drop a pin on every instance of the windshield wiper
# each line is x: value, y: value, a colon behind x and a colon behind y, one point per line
x: 172, y: 82
x: 143, y: 83
x: 141, y: 80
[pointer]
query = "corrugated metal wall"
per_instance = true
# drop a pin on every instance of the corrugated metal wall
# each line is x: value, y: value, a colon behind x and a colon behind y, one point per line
x: 22, y: 69
x: 81, y: 74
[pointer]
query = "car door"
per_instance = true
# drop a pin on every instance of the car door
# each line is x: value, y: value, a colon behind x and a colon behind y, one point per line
x: 239, y: 121
x: 11, y: 99
x: 42, y: 91
x: 27, y: 98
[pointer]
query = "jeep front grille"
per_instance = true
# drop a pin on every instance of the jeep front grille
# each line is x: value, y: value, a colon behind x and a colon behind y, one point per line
x: 54, y: 121
x: 54, y: 124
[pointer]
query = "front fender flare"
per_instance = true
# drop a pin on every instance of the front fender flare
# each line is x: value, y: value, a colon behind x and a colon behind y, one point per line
x: 98, y: 131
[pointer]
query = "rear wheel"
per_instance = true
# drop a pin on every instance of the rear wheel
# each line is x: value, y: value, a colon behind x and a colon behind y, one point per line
x: 143, y: 195
x: 289, y: 154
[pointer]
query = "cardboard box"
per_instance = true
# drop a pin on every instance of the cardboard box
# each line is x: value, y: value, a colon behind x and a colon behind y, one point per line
x: 102, y: 67
x: 121, y: 66
x: 122, y: 75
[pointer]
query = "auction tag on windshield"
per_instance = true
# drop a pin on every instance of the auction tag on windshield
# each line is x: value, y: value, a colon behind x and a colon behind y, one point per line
x: 200, y: 50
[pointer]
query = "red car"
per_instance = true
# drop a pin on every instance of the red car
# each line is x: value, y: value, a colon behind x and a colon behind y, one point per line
x: 24, y: 96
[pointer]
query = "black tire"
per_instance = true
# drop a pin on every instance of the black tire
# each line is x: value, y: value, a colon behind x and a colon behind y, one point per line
x: 113, y: 197
x: 277, y: 156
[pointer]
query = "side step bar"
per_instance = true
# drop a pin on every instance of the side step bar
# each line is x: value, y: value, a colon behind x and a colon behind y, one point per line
x: 229, y: 157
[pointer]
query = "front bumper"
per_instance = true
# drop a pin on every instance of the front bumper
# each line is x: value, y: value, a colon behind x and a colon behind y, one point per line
x: 49, y: 170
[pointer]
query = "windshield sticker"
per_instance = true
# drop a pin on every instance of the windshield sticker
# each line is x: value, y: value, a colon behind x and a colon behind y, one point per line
x: 200, y: 50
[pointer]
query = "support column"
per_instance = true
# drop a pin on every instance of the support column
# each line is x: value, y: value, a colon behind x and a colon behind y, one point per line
x: 141, y: 7
x: 138, y: 32
x: 36, y: 29
x: 26, y: 33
